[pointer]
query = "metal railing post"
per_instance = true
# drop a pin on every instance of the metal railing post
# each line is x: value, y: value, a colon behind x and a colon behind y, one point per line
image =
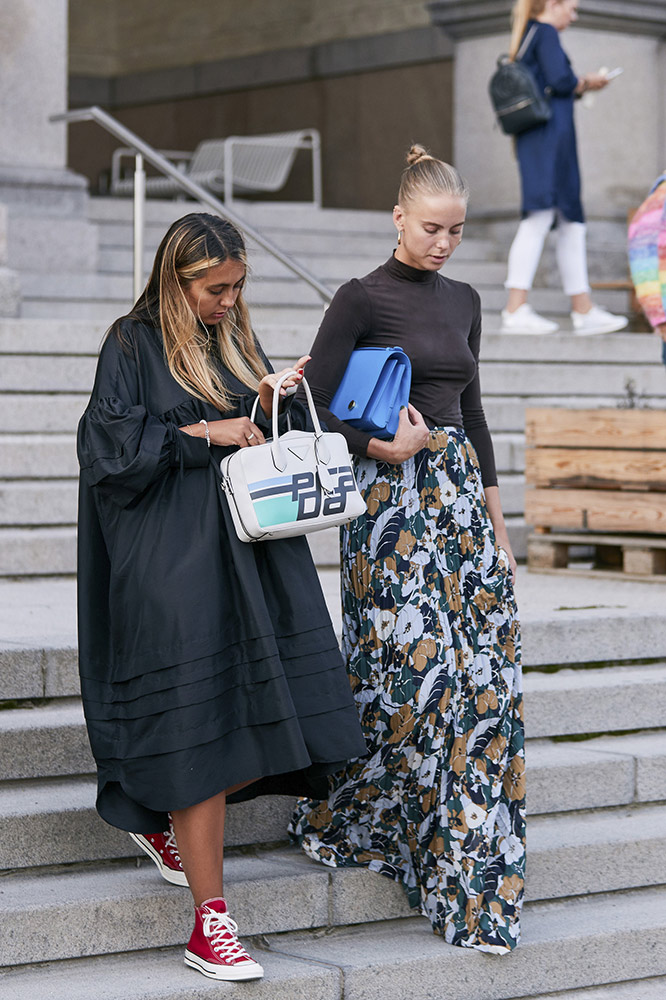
x: 139, y: 217
x: 316, y: 171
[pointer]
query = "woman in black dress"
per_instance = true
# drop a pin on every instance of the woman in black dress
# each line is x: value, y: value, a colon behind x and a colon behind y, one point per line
x: 209, y: 668
x: 430, y: 629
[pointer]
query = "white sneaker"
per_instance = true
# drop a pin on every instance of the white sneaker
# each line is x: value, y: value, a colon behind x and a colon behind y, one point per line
x: 597, y: 320
x: 525, y: 320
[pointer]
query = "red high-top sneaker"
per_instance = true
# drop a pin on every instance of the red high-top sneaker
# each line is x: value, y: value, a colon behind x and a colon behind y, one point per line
x: 214, y: 948
x: 163, y: 850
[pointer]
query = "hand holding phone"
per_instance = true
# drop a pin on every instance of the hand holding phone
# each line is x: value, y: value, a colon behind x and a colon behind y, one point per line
x: 612, y: 73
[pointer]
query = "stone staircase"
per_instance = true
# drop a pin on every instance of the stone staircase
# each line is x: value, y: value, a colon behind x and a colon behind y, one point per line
x: 47, y: 359
x: 83, y: 917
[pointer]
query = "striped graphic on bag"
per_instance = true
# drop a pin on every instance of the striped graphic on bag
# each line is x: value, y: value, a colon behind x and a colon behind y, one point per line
x: 299, y: 497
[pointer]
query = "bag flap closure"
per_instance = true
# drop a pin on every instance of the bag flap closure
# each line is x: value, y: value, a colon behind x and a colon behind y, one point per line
x: 369, y: 372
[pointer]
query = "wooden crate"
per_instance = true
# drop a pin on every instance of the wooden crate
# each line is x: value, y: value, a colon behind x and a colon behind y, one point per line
x: 594, y: 472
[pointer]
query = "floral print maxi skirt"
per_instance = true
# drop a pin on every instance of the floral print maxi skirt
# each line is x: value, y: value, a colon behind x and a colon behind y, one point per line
x: 432, y: 643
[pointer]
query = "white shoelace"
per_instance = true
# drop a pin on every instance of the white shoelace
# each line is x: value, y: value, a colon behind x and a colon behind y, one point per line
x: 221, y: 930
x: 170, y: 841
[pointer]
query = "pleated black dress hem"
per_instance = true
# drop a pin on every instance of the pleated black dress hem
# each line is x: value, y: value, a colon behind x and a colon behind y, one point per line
x: 205, y: 662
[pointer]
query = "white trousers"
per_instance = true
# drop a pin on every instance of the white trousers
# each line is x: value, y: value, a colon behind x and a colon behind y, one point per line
x: 527, y: 248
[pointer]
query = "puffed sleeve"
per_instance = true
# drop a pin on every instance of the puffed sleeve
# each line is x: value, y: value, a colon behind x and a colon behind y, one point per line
x: 554, y: 62
x: 346, y: 320
x: 122, y: 448
x: 474, y: 418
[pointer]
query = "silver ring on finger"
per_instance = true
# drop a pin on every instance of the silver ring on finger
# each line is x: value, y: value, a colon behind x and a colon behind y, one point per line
x: 250, y: 436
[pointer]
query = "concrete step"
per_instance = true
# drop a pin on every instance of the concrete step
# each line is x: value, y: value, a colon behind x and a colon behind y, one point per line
x: 53, y: 821
x: 54, y: 502
x: 598, y: 700
x: 552, y: 302
x: 594, y: 942
x: 111, y: 287
x: 38, y: 502
x: 40, y: 457
x: 280, y: 890
x: 565, y: 621
x: 106, y: 311
x: 552, y: 379
x: 54, y: 336
x: 637, y: 989
x: 607, y: 939
x: 46, y: 374
x: 331, y: 268
x: 51, y: 741
x: 160, y: 974
x: 50, y: 336
x: 38, y: 551
x: 620, y: 349
x: 75, y: 373
x: 41, y: 412
x: 125, y: 907
x: 57, y: 412
x: 51, y: 550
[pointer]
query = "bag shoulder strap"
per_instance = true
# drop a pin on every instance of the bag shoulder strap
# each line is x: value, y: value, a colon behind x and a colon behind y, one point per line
x: 525, y: 43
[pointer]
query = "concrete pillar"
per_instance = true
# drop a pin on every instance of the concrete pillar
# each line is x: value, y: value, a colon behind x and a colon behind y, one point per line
x: 43, y: 222
x: 33, y: 83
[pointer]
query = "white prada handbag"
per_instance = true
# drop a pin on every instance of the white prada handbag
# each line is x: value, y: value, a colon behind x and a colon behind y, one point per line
x: 295, y: 483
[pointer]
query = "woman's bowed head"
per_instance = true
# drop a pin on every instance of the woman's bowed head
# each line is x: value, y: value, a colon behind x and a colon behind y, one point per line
x: 431, y: 210
x: 195, y: 292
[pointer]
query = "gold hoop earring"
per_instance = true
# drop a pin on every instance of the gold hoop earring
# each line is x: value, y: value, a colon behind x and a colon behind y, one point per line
x: 399, y: 237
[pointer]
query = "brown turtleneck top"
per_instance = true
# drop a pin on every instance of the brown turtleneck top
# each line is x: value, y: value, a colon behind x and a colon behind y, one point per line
x: 437, y: 323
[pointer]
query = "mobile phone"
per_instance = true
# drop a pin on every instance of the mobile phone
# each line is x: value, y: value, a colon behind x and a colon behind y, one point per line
x: 612, y: 73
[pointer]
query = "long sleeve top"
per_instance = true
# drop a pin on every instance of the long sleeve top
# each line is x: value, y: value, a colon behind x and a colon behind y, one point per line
x: 436, y: 321
x: 647, y: 253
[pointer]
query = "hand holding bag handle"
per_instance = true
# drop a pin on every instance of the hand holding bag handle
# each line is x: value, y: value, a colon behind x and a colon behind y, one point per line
x: 322, y: 452
x: 295, y: 483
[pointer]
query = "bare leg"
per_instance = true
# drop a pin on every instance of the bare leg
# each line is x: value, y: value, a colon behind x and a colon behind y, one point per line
x: 581, y: 303
x: 517, y: 297
x: 199, y: 833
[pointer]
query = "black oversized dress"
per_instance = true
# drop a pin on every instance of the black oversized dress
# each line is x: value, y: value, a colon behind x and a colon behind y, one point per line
x: 205, y: 661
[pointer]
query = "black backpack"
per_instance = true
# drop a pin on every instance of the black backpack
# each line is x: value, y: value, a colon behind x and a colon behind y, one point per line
x: 518, y: 102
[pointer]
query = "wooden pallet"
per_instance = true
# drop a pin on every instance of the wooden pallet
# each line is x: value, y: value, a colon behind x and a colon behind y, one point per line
x: 634, y: 556
x: 593, y: 472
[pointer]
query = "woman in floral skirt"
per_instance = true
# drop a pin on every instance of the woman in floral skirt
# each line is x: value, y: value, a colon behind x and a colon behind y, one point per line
x: 430, y: 629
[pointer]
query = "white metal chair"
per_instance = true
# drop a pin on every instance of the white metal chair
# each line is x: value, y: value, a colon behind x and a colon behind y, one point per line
x: 239, y: 164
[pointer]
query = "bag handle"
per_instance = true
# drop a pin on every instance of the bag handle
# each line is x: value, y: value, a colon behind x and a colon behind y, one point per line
x: 322, y: 452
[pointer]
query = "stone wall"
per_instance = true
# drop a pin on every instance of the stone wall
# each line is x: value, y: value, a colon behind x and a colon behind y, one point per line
x: 366, y: 120
x: 116, y: 37
x: 371, y: 75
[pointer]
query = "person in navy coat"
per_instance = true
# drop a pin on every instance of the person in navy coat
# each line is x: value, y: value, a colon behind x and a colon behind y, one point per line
x: 549, y: 174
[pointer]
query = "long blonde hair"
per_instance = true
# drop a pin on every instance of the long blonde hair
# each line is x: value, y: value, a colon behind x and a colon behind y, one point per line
x: 190, y: 248
x: 425, y: 174
x: 521, y: 13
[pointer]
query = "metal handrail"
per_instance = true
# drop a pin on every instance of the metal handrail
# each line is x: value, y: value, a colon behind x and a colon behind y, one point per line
x: 146, y: 152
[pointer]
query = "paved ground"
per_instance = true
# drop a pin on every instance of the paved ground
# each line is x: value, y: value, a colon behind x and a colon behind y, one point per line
x: 41, y: 613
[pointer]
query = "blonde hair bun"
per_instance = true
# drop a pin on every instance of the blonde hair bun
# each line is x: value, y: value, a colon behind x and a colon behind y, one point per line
x: 416, y: 154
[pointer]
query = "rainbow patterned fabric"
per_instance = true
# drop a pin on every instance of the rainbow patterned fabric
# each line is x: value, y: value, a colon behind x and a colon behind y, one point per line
x: 647, y: 253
